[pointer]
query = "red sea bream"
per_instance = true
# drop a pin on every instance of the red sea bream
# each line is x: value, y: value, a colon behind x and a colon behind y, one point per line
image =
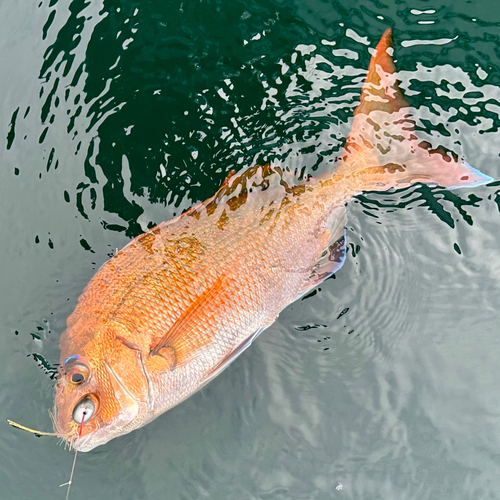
x: 180, y: 302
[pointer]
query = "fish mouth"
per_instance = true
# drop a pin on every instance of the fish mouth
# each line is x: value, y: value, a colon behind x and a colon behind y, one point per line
x: 92, y: 440
x: 80, y: 443
x: 126, y: 422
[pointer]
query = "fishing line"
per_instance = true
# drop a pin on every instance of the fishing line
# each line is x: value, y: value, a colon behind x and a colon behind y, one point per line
x: 70, y: 477
x: 74, y: 460
x: 41, y: 433
x: 29, y: 429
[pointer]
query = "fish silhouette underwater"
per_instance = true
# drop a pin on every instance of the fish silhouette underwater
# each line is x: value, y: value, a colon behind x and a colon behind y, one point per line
x: 179, y: 303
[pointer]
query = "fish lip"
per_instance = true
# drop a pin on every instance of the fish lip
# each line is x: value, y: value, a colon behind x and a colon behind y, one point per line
x: 93, y: 440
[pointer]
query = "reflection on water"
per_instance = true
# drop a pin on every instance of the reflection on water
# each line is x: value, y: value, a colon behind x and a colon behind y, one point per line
x: 119, y: 115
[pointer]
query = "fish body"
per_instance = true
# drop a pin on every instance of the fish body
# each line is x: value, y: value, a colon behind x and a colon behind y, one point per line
x: 173, y: 308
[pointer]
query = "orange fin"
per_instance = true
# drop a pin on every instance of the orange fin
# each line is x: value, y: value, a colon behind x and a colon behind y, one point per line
x: 169, y: 354
x: 381, y: 90
x: 228, y: 178
x: 189, y: 332
x: 383, y: 149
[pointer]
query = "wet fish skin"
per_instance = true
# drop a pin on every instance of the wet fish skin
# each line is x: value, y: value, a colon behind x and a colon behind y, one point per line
x: 174, y: 307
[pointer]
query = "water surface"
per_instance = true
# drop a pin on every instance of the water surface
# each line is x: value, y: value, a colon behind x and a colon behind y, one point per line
x: 380, y: 384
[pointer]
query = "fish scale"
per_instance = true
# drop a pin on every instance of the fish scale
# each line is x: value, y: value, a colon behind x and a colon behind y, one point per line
x: 149, y: 313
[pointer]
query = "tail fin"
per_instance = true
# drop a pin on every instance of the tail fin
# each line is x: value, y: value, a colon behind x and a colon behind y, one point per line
x: 383, y: 150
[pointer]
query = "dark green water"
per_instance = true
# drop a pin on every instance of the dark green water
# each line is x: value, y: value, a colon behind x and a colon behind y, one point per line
x: 118, y: 115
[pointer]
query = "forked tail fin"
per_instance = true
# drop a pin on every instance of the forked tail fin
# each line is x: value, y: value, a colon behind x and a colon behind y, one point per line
x: 383, y: 150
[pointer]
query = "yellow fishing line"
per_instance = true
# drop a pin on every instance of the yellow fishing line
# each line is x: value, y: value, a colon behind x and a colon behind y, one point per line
x: 28, y: 429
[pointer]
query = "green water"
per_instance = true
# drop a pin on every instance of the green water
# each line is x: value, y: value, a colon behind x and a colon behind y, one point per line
x: 118, y: 115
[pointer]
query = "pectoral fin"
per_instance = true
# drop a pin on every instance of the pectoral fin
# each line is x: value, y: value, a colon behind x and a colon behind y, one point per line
x: 231, y: 357
x: 188, y: 334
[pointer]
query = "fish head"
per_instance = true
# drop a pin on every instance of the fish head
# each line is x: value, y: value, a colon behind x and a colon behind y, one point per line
x: 101, y: 393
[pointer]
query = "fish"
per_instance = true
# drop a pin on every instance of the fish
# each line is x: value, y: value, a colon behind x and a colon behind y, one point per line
x: 179, y: 303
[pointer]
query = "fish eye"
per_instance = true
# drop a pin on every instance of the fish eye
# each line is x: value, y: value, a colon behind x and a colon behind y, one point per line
x: 77, y: 373
x: 76, y: 378
x: 84, y: 411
